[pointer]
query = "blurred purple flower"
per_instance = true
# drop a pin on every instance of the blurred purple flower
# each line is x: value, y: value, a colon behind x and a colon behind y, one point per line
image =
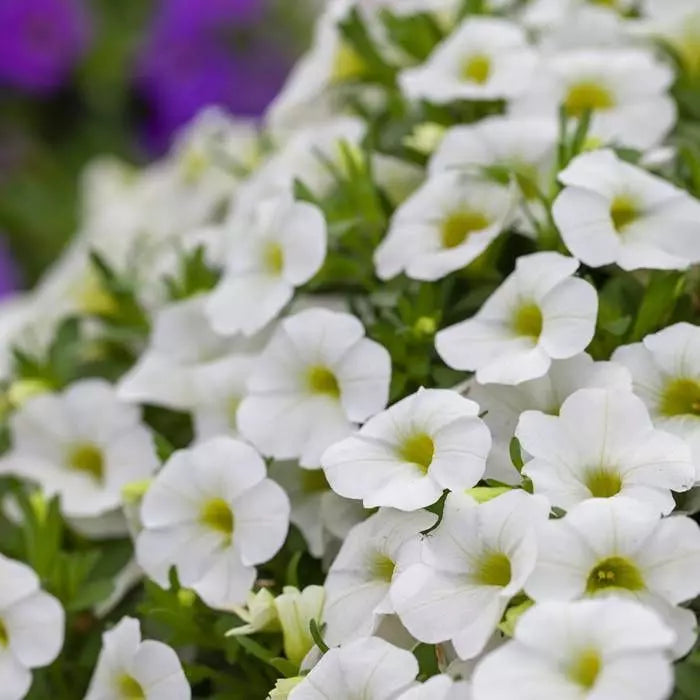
x: 202, y: 52
x: 40, y: 41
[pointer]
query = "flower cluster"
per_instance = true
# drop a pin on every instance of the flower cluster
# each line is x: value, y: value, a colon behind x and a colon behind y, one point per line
x: 396, y: 397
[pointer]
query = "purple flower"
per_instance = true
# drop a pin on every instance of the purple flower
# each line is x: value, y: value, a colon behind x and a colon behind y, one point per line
x: 203, y: 52
x: 40, y: 41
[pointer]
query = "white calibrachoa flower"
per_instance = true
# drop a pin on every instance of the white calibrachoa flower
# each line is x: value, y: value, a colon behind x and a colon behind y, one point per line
x: 484, y: 59
x: 31, y: 628
x: 316, y: 378
x: 440, y: 687
x: 603, y: 445
x: 321, y: 514
x: 665, y: 370
x: 625, y: 88
x: 82, y: 444
x: 621, y: 546
x: 187, y: 365
x: 443, y: 226
x: 358, y: 582
x: 369, y: 668
x: 295, y: 611
x: 540, y: 313
x: 131, y: 669
x: 502, y: 404
x: 595, y: 649
x: 283, y: 246
x: 212, y: 513
x: 407, y: 455
x: 470, y: 567
x: 614, y: 212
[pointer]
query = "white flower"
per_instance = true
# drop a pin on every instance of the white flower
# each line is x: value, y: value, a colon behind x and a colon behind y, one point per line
x: 471, y: 565
x: 407, y: 455
x: 443, y: 226
x: 621, y: 546
x: 595, y: 649
x: 129, y: 668
x: 440, y: 687
x: 322, y: 515
x: 358, y: 582
x: 614, y: 212
x: 497, y: 142
x: 368, y: 668
x: 540, y: 313
x: 665, y: 370
x: 625, y: 88
x: 317, y: 377
x: 82, y: 444
x: 212, y: 514
x: 283, y: 246
x: 603, y: 445
x: 503, y: 404
x: 295, y: 610
x: 485, y: 58
x: 187, y: 365
x: 31, y: 628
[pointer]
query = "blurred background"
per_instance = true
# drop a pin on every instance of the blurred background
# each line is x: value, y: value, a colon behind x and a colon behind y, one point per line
x: 80, y: 78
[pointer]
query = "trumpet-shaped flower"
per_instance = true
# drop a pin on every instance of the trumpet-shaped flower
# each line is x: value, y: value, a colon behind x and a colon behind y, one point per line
x: 502, y: 404
x: 283, y: 247
x: 608, y: 649
x: 130, y: 669
x: 316, y: 378
x: 187, y: 365
x: 621, y: 546
x: 295, y: 611
x: 603, y: 445
x: 212, y: 513
x: 614, y: 212
x: 484, y: 59
x: 470, y: 567
x: 407, y: 455
x: 540, y: 313
x: 358, y: 582
x: 31, y: 627
x: 624, y: 88
x: 82, y: 444
x: 369, y: 668
x: 665, y: 370
x: 443, y: 226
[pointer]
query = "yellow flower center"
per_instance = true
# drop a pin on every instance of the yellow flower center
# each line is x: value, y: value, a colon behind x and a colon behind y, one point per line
x: 314, y: 481
x: 4, y: 636
x: 321, y: 380
x: 585, y: 669
x: 217, y: 515
x: 603, y: 483
x: 458, y: 225
x: 623, y: 211
x: 273, y: 258
x: 382, y: 567
x: 614, y: 572
x: 493, y: 570
x: 418, y: 449
x: 587, y: 95
x: 130, y: 689
x: 527, y: 321
x: 476, y: 69
x: 347, y: 64
x: 681, y: 397
x: 87, y: 458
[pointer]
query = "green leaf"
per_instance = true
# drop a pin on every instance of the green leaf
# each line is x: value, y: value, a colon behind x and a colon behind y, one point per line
x: 658, y: 303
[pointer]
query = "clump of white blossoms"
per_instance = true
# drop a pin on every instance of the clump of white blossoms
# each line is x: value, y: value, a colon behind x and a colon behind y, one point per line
x: 31, y: 627
x: 590, y: 649
x: 82, y: 444
x: 213, y: 515
x: 317, y: 377
x: 540, y: 313
x: 602, y: 444
x: 130, y: 668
